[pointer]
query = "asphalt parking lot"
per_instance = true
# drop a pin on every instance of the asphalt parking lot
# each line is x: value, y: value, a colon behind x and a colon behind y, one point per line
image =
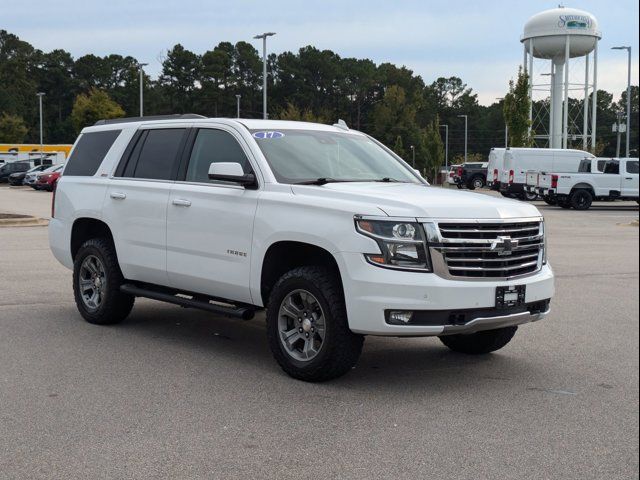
x: 175, y: 393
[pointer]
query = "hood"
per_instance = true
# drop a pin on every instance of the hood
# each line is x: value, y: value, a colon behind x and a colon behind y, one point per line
x: 413, y: 200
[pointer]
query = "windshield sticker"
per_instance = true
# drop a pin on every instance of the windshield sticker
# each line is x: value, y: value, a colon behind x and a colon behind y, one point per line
x: 269, y: 134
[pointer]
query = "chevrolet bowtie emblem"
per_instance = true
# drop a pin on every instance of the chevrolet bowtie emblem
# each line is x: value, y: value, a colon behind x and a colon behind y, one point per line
x: 504, y: 245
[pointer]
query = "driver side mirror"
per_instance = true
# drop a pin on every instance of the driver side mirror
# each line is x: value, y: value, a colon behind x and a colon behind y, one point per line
x: 232, y: 172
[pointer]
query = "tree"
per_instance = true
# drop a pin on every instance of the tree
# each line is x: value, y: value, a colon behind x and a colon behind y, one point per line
x: 516, y: 111
x: 181, y: 72
x: 434, y: 148
x: 93, y: 106
x: 398, y: 147
x: 12, y: 129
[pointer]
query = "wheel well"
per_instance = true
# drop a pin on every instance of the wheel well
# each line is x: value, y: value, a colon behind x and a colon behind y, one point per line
x: 583, y: 186
x: 86, y: 228
x: 284, y: 256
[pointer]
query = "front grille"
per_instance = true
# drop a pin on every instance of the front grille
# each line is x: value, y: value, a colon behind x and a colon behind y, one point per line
x: 490, y: 250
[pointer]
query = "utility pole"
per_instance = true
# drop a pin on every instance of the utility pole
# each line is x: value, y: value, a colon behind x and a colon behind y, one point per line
x: 264, y: 70
x: 628, y: 49
x: 446, y: 146
x: 40, y: 95
x: 238, y: 105
x: 466, y: 130
x: 618, y: 130
x: 141, y: 82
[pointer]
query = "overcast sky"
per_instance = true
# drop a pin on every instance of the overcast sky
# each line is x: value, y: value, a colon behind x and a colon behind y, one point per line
x: 475, y: 40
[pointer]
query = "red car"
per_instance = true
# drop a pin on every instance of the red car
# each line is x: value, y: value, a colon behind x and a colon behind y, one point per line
x: 47, y: 181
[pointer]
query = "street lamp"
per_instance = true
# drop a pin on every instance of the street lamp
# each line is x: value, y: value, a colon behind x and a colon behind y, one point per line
x: 466, y: 118
x: 141, y: 75
x: 264, y: 70
x: 446, y: 146
x: 40, y: 95
x: 238, y: 105
x: 506, y: 127
x: 628, y: 49
x: 413, y: 156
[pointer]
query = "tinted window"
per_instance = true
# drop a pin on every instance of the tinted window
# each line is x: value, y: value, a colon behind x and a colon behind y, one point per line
x: 632, y: 167
x: 90, y: 151
x: 213, y: 146
x: 601, y: 165
x: 585, y: 166
x: 612, y: 167
x: 158, y: 155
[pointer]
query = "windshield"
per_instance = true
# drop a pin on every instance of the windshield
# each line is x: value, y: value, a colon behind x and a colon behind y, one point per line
x: 298, y: 156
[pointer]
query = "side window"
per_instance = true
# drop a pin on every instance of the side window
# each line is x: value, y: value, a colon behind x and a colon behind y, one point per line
x: 213, y: 146
x: 158, y: 154
x: 632, y: 167
x: 89, y: 152
x: 612, y: 167
x: 601, y: 165
x: 585, y: 166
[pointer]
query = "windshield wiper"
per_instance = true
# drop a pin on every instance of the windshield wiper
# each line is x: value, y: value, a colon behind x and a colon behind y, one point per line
x: 319, y: 181
x: 387, y: 180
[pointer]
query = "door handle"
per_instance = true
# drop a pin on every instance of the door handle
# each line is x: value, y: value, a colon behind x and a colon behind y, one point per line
x: 628, y: 178
x: 118, y: 195
x: 181, y: 202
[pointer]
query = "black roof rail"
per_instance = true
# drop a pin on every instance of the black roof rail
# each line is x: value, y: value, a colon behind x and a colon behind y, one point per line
x: 176, y: 116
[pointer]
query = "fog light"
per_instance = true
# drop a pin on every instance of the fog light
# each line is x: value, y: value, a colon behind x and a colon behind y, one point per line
x: 400, y: 317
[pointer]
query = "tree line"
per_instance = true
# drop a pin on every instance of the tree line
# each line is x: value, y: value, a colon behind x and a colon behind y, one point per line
x: 392, y: 103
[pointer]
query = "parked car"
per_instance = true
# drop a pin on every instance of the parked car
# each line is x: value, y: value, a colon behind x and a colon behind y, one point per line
x: 11, y: 168
x: 452, y: 175
x: 47, y: 180
x: 17, y: 179
x: 519, y: 161
x: 494, y: 168
x: 31, y: 178
x: 330, y: 232
x: 617, y: 181
x: 471, y: 175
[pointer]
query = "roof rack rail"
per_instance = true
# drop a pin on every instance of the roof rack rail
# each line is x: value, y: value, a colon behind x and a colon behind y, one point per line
x: 176, y: 116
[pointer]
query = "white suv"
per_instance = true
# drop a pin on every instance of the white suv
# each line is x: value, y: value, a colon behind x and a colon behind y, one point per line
x: 322, y: 226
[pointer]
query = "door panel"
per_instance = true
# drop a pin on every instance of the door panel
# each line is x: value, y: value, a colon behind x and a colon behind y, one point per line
x: 209, y: 234
x: 136, y: 211
x: 630, y: 179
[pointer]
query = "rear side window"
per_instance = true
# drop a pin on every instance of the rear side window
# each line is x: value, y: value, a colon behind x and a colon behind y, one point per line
x: 158, y: 154
x: 612, y: 167
x: 601, y: 165
x: 585, y: 166
x: 89, y: 152
x: 632, y: 167
x: 213, y: 146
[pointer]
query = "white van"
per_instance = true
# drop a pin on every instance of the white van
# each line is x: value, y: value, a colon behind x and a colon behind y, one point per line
x: 519, y: 161
x: 494, y: 168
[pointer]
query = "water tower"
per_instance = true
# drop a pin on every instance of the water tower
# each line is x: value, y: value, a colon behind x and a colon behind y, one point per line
x: 558, y: 39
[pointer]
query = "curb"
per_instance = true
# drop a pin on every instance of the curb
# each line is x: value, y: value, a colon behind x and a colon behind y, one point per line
x: 14, y: 220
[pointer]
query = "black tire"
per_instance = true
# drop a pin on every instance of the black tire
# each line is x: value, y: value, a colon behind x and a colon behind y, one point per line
x: 530, y: 196
x: 459, y: 185
x: 477, y: 182
x: 481, y: 342
x: 550, y: 200
x: 340, y: 347
x: 581, y: 199
x: 115, y: 305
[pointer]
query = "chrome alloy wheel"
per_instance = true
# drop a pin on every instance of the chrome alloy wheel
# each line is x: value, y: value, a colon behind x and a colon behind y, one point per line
x: 301, y: 325
x: 92, y: 282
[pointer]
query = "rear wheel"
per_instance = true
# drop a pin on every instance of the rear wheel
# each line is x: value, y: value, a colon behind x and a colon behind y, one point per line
x: 459, y: 185
x: 581, y: 199
x: 550, y: 200
x: 96, y: 283
x: 307, y: 326
x: 481, y: 342
x: 477, y: 182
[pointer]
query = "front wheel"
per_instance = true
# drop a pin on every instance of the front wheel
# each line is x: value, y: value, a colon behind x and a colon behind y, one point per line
x: 96, y: 283
x: 307, y: 326
x: 481, y: 342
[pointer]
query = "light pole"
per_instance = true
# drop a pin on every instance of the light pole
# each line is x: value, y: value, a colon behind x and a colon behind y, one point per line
x: 141, y: 81
x: 628, y: 49
x: 466, y: 118
x: 238, y: 97
x: 446, y: 146
x: 264, y: 70
x: 413, y: 156
x: 506, y: 127
x: 40, y: 95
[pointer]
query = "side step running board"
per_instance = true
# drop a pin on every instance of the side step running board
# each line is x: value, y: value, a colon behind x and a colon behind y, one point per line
x: 237, y: 312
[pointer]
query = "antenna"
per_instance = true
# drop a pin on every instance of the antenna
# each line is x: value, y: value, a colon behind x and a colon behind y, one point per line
x: 341, y: 124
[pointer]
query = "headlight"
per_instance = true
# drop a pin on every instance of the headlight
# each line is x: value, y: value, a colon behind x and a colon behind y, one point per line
x: 402, y: 244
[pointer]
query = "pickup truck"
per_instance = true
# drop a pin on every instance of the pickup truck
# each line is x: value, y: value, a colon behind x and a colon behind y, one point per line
x: 471, y: 175
x: 321, y: 230
x: 597, y: 179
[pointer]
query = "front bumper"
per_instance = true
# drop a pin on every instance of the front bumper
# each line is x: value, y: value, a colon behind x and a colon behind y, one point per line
x: 371, y: 292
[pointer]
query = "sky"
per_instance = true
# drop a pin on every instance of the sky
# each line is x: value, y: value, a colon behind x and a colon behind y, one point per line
x: 478, y: 41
